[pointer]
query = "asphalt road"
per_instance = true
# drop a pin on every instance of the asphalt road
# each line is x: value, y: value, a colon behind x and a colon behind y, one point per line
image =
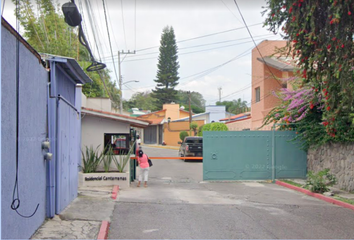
x: 177, y: 204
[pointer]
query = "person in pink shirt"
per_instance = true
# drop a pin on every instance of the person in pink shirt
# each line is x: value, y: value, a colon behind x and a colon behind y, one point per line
x: 144, y: 168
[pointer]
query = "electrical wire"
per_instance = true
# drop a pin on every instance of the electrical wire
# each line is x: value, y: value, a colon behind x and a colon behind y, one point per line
x: 3, y: 6
x: 243, y: 19
x: 109, y: 40
x: 125, y: 36
x: 203, y: 36
x: 231, y: 11
x: 15, y: 205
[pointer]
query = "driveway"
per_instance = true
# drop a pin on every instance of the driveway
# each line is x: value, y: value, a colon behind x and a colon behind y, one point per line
x: 178, y: 204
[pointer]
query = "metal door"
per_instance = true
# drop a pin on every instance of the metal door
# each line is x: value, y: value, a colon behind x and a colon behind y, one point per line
x: 252, y: 155
x: 68, y: 159
x: 150, y: 135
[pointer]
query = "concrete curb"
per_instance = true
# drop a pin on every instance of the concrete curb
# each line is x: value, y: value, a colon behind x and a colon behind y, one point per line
x: 115, y: 192
x: 316, y: 195
x: 103, y: 234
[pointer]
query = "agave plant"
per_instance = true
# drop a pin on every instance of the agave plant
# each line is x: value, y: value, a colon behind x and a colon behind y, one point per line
x: 90, y: 159
x: 108, y: 158
x: 122, y: 160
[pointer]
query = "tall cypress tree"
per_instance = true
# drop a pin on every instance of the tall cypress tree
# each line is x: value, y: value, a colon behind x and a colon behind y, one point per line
x: 167, y: 72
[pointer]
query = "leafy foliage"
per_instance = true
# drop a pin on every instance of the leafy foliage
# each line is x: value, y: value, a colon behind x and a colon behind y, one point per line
x: 215, y: 126
x: 183, y: 135
x: 141, y: 100
x: 167, y: 73
x: 91, y: 159
x: 108, y: 158
x: 194, y: 128
x: 234, y: 106
x: 45, y: 29
x: 320, y: 181
x: 197, y: 101
x: 320, y: 35
x: 122, y: 160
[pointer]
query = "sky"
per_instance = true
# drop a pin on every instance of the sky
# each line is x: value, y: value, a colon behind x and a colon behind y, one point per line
x: 214, y: 46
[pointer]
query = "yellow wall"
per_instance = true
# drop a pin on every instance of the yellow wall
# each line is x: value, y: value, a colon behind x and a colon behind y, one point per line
x: 183, y: 114
x: 171, y: 138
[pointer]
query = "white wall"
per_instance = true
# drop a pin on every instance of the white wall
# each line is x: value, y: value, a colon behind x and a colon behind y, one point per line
x: 93, y: 130
x: 216, y: 112
x: 102, y: 104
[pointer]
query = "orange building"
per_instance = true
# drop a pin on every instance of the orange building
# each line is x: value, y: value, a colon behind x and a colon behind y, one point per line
x: 158, y: 131
x: 269, y: 73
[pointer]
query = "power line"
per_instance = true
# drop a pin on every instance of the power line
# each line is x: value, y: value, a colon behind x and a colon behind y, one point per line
x: 109, y: 38
x: 185, y: 53
x: 203, y: 36
x: 231, y: 11
x: 243, y: 19
x: 125, y: 36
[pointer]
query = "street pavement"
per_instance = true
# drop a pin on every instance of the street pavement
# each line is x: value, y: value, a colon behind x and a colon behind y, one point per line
x: 178, y: 204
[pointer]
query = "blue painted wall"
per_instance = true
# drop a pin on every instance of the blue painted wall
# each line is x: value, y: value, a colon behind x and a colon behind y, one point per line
x: 32, y: 131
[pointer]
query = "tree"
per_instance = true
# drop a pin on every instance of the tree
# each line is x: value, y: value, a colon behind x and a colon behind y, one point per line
x: 167, y: 72
x: 320, y: 35
x: 197, y: 101
x: 194, y: 128
x: 47, y: 32
x: 234, y: 106
x: 141, y: 100
x: 183, y: 135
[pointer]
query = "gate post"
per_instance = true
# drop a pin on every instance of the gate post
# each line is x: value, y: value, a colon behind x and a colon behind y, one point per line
x: 273, y: 154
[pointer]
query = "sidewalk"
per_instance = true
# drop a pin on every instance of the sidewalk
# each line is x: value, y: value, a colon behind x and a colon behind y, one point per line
x: 83, y: 217
x: 159, y: 146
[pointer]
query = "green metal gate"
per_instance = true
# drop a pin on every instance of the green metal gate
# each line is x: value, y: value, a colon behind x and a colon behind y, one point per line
x: 252, y: 155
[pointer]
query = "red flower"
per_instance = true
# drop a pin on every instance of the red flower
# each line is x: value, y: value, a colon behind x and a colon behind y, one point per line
x: 331, y: 22
x: 294, y: 18
x: 342, y: 45
x: 349, y: 13
x: 290, y: 9
x: 324, y: 90
x: 327, y: 98
x: 328, y: 108
x: 333, y: 39
x: 329, y: 46
x: 311, y: 106
x: 325, y: 123
x: 326, y: 93
x: 295, y: 41
x: 273, y: 15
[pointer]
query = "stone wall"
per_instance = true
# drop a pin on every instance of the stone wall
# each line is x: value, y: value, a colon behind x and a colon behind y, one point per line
x: 339, y: 158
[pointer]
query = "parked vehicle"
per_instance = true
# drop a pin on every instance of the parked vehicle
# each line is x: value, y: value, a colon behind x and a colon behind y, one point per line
x: 191, y: 147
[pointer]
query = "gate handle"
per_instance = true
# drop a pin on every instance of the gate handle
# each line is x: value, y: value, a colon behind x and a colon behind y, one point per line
x: 213, y: 156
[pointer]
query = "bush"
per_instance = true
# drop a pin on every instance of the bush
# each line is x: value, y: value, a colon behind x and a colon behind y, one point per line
x: 194, y: 128
x: 320, y: 181
x: 215, y: 126
x: 183, y: 135
x: 200, y: 131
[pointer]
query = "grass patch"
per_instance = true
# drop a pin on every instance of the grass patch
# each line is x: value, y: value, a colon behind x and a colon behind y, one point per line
x: 346, y: 200
x: 292, y: 183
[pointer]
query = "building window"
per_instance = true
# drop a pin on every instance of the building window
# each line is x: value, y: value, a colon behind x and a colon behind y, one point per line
x: 258, y: 94
x: 284, y: 85
x: 118, y: 141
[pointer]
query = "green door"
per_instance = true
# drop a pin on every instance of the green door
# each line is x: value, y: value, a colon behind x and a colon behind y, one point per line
x: 252, y: 155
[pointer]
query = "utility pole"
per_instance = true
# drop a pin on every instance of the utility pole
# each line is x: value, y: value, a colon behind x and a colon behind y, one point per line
x: 120, y: 80
x: 219, y: 93
x: 190, y: 113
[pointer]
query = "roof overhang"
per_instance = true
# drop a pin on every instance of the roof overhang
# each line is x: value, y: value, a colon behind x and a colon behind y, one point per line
x: 71, y: 67
x: 116, y: 117
x: 282, y: 64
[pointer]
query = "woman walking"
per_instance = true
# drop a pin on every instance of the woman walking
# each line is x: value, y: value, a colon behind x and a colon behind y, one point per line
x: 144, y: 168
